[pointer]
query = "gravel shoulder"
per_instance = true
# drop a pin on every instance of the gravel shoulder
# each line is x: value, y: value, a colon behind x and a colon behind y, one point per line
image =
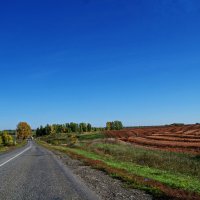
x: 102, y: 184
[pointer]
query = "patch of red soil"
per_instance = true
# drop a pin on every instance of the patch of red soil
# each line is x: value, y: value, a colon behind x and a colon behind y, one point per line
x: 182, y: 138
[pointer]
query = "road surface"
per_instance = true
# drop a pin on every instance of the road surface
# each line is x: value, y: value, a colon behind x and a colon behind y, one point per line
x: 32, y: 173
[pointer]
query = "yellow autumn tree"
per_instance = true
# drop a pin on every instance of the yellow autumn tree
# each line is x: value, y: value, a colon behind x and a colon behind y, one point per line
x: 23, y: 130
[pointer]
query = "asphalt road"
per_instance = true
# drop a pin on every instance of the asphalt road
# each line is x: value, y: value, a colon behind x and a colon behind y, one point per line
x: 32, y: 173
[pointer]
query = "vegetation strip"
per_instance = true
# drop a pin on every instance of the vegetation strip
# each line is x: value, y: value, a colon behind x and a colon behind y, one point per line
x: 152, y: 179
x: 5, y: 149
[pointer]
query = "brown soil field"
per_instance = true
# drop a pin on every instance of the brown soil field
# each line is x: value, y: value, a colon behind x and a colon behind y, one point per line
x: 177, y: 139
x: 181, y: 138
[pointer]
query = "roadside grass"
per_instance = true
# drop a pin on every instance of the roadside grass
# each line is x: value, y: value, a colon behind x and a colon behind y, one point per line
x: 61, y: 138
x: 4, y: 149
x: 178, y: 163
x: 158, y: 182
x: 91, y: 136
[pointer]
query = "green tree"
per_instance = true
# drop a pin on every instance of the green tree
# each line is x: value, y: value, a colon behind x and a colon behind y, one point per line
x: 38, y: 132
x: 1, y: 140
x: 80, y: 128
x: 74, y: 127
x: 109, y: 126
x: 47, y: 129
x: 23, y: 130
x: 89, y: 127
x: 116, y: 125
x: 53, y: 130
x: 7, y: 139
x: 83, y: 127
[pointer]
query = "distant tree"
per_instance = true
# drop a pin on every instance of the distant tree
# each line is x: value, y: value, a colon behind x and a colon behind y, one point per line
x: 23, y: 130
x: 1, y: 140
x: 64, y: 128
x: 113, y: 127
x: 109, y: 126
x: 37, y: 132
x: 47, y: 129
x: 89, y: 127
x: 53, y: 130
x: 83, y: 127
x: 116, y: 125
x: 121, y: 125
x: 59, y: 128
x: 40, y: 131
x: 80, y: 128
x: 74, y: 127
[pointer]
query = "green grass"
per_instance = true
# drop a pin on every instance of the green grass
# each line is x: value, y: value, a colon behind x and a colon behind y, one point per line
x: 180, y: 163
x: 4, y: 149
x: 138, y: 167
x: 91, y: 136
x: 174, y: 180
x: 61, y: 138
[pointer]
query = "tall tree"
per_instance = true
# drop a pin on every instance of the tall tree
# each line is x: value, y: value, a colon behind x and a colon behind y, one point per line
x: 23, y: 130
x: 47, y: 129
x: 83, y: 127
x: 74, y: 127
x: 108, y: 126
x: 89, y: 127
x: 53, y: 130
x: 1, y: 140
x: 116, y: 125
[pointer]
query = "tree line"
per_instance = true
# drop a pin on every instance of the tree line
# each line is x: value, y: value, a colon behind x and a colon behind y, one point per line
x: 24, y: 130
x: 65, y: 128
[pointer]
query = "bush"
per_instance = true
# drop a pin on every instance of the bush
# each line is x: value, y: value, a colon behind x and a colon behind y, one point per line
x: 7, y: 139
x: 1, y: 141
x: 72, y: 140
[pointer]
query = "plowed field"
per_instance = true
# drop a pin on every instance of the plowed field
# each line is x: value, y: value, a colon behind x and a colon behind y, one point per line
x: 182, y: 138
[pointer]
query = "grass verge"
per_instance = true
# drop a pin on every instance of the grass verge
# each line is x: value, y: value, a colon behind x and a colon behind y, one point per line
x: 158, y: 182
x: 176, y: 163
x: 90, y: 136
x: 4, y: 149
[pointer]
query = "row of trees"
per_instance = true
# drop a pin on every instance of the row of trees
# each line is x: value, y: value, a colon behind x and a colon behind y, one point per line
x: 64, y: 128
x: 115, y: 125
x: 24, y: 130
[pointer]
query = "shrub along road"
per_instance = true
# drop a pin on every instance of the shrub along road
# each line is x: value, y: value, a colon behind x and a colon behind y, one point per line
x: 33, y: 172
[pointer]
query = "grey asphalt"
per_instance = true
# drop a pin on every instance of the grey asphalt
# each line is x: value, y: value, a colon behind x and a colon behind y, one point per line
x: 38, y: 174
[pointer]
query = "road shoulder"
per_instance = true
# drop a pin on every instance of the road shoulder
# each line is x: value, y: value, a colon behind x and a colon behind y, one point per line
x: 102, y: 184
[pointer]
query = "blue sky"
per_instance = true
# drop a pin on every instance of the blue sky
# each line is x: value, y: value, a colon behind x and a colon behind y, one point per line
x: 88, y: 60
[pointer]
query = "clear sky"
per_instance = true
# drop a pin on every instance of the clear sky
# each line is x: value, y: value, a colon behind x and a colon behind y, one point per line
x: 97, y: 60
